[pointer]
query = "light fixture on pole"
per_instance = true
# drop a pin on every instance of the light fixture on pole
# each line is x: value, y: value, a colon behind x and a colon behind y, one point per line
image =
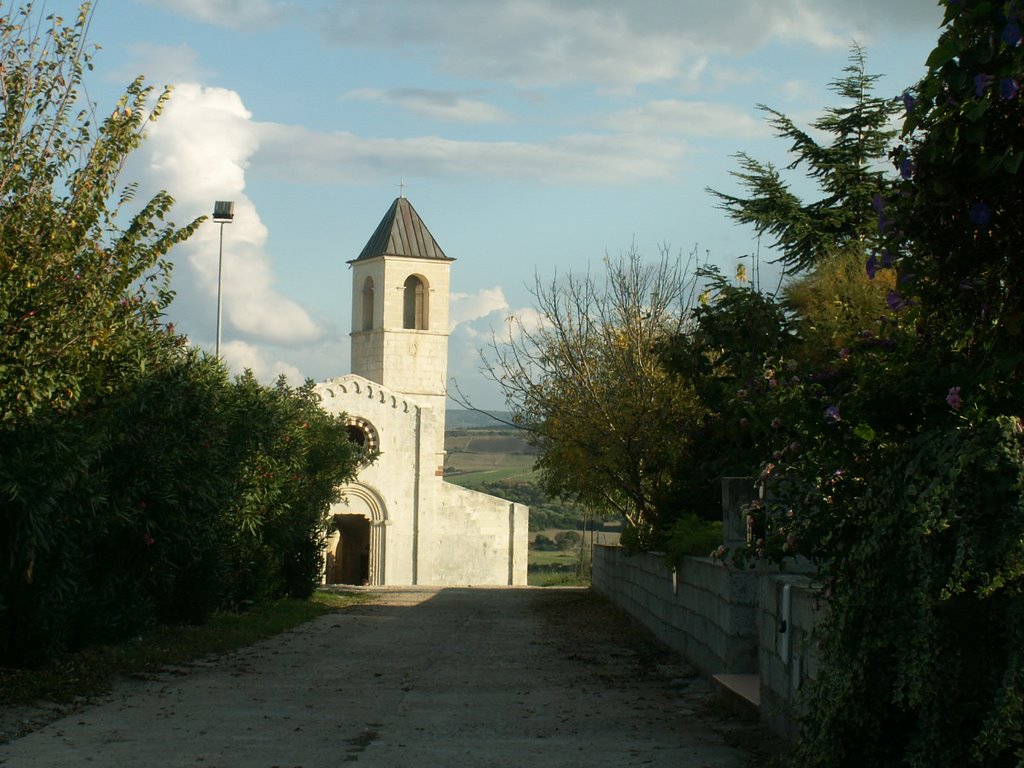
x: 223, y: 213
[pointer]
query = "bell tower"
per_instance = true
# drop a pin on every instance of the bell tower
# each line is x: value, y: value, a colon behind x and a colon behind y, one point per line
x: 400, y: 287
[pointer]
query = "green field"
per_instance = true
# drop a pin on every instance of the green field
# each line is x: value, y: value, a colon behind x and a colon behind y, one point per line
x: 475, y: 456
x: 469, y: 479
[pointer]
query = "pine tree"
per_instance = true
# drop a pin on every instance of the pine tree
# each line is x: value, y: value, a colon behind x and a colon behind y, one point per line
x: 848, y: 171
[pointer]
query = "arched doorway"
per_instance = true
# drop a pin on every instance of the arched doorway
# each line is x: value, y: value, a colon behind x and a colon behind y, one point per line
x: 355, y: 546
x: 348, y: 555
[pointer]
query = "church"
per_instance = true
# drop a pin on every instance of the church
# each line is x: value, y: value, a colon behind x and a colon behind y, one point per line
x: 399, y: 522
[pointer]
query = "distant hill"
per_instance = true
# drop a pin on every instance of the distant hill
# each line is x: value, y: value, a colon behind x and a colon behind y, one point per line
x: 460, y: 418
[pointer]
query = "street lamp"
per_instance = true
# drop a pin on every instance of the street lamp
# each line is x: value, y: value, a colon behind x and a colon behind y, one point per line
x: 223, y: 213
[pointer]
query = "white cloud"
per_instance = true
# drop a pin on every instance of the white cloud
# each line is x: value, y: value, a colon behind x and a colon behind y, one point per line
x: 464, y: 308
x: 240, y: 355
x: 434, y: 104
x: 551, y: 42
x: 234, y: 14
x: 688, y: 118
x: 161, y: 64
x: 201, y: 148
x: 472, y: 341
x: 799, y: 90
x: 547, y: 42
x: 526, y: 319
x: 298, y: 154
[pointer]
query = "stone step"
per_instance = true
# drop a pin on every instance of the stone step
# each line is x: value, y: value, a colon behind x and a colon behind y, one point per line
x: 742, y: 690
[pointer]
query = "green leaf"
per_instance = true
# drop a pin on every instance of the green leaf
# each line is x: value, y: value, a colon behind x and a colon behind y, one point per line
x: 864, y: 432
x: 948, y: 48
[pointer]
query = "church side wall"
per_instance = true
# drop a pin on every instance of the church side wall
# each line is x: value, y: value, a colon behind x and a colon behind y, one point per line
x: 473, y: 538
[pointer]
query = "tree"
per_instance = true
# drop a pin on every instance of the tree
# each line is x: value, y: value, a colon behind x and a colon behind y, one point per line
x: 75, y: 283
x: 744, y: 341
x: 588, y: 384
x: 137, y: 483
x: 80, y: 304
x: 849, y: 172
x: 905, y: 483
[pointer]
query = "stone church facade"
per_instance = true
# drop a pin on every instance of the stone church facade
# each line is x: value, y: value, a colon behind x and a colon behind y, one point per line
x: 400, y: 522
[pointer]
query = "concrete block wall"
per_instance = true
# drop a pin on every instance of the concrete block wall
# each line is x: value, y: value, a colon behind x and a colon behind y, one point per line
x: 724, y: 621
x: 700, y: 608
x: 788, y: 613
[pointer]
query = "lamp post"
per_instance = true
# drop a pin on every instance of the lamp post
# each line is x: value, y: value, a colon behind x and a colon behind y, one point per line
x: 223, y: 213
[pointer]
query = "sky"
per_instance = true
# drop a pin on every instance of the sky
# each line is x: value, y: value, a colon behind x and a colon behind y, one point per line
x: 534, y: 137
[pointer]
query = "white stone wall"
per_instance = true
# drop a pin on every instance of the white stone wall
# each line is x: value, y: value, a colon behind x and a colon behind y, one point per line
x: 474, y: 538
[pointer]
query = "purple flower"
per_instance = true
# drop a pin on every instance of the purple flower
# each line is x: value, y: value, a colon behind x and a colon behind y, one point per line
x: 844, y: 353
x: 909, y: 102
x: 887, y: 259
x: 1008, y: 88
x: 832, y: 414
x: 878, y: 204
x: 907, y: 168
x: 953, y: 398
x: 871, y: 267
x: 982, y: 82
x: 980, y: 214
x: 1011, y: 34
x: 895, y: 301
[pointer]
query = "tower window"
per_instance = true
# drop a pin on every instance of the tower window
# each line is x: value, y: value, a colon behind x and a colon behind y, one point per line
x: 414, y: 315
x: 368, y: 304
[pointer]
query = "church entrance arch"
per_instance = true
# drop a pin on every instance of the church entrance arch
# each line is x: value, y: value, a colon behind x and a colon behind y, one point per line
x: 356, y: 544
x: 348, y: 561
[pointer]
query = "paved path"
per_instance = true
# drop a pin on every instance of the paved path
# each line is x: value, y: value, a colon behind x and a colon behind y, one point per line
x: 424, y: 678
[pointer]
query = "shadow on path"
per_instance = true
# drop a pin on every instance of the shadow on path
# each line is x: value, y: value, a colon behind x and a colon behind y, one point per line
x: 421, y: 677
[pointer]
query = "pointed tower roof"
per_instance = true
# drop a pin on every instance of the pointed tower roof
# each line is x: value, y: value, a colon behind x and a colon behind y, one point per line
x: 402, y: 233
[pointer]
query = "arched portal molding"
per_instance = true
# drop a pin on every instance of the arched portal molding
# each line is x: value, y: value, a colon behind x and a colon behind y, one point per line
x: 362, y: 499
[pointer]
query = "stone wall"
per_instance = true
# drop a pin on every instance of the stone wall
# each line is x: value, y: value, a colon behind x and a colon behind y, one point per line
x: 723, y: 621
x: 492, y: 536
x: 788, y: 613
x: 701, y: 609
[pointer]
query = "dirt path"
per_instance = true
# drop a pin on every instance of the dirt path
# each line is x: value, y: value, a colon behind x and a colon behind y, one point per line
x: 455, y: 677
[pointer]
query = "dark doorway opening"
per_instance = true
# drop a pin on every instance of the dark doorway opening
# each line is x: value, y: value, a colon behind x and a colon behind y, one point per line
x: 349, y: 561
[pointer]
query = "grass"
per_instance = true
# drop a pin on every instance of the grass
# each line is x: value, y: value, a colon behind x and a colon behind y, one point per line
x: 555, y: 557
x: 485, y: 475
x: 556, y: 569
x: 91, y: 671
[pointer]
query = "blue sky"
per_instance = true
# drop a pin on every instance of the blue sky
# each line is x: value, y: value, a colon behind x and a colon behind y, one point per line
x: 531, y: 135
